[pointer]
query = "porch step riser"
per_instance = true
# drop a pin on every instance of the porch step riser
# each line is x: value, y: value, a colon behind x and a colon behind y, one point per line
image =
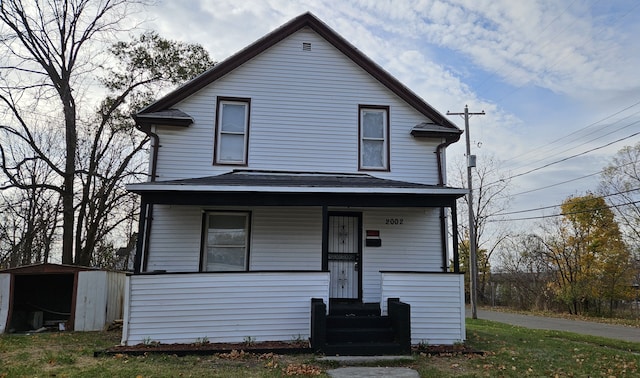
x: 350, y: 309
x: 358, y: 322
x: 365, y: 349
x: 363, y: 335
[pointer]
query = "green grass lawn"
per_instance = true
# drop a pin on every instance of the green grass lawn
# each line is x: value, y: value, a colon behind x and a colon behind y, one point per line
x: 509, y: 352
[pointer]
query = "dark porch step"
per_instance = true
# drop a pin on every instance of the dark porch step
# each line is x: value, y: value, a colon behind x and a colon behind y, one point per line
x: 343, y: 321
x: 365, y: 349
x: 360, y: 335
x: 354, y: 309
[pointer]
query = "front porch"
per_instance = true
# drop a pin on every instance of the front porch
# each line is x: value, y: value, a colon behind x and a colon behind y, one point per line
x: 275, y: 305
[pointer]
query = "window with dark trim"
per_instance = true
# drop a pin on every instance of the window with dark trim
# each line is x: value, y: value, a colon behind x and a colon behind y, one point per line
x: 373, y: 137
x: 225, y: 241
x: 232, y: 131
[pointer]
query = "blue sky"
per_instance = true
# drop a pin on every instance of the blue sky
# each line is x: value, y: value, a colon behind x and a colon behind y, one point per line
x: 541, y: 70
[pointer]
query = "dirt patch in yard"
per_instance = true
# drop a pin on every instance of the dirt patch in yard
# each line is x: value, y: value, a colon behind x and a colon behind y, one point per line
x: 444, y: 350
x: 278, y: 347
x: 204, y: 348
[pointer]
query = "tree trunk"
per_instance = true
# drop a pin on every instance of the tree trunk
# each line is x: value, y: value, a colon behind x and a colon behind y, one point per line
x: 71, y: 138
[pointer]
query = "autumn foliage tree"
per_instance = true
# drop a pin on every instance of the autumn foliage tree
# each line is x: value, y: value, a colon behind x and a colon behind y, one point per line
x: 586, y: 253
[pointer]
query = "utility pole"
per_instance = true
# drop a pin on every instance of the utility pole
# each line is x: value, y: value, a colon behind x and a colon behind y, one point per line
x: 473, y: 259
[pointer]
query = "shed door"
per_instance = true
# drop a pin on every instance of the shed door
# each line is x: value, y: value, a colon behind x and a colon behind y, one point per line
x: 345, y: 255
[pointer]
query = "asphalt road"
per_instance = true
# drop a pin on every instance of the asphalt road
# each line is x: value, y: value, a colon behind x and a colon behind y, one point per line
x: 557, y: 324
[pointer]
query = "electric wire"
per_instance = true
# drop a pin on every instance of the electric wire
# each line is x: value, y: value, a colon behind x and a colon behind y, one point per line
x: 563, y: 214
x: 568, y: 157
x: 568, y: 181
x: 549, y: 145
x: 619, y: 128
x: 554, y: 206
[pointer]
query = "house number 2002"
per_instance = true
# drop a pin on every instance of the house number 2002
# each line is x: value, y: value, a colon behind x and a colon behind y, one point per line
x: 393, y: 221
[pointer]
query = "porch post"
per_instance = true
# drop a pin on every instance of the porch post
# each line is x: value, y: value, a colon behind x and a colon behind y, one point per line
x: 443, y: 237
x: 325, y: 238
x: 454, y: 232
x: 137, y: 262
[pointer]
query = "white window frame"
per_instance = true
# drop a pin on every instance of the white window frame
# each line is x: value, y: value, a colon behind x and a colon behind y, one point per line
x: 205, y: 240
x: 220, y: 133
x: 362, y: 109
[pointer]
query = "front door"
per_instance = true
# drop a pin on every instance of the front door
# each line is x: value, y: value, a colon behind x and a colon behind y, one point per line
x: 345, y: 255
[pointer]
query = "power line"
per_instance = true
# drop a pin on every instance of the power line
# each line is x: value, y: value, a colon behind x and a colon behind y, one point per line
x: 557, y: 184
x: 563, y: 214
x: 550, y: 144
x: 568, y: 157
x: 568, y: 181
x: 554, y: 206
x: 560, y: 152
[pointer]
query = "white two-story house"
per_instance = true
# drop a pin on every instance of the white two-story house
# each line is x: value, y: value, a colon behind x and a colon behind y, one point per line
x: 295, y: 175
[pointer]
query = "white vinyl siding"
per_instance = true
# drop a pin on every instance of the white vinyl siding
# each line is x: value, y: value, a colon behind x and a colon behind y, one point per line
x: 286, y: 238
x: 176, y: 232
x: 222, y: 307
x: 304, y: 117
x: 437, y: 304
x: 413, y: 245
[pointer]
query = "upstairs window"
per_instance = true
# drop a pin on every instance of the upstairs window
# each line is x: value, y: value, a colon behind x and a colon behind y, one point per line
x: 374, y: 137
x: 226, y: 241
x: 232, y: 131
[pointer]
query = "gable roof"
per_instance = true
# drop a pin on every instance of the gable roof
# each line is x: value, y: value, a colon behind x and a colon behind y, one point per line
x: 269, y: 40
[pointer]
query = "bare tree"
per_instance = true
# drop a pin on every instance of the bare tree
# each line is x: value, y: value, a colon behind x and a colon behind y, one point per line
x: 47, y: 46
x: 620, y: 183
x: 111, y: 153
x: 29, y: 220
x: 491, y: 197
x: 51, y: 53
x: 524, y: 273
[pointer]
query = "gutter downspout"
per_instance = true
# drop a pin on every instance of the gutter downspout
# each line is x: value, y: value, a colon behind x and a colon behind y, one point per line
x: 146, y: 209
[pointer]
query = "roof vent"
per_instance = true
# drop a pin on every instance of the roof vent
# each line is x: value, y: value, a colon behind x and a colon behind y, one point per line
x: 306, y: 46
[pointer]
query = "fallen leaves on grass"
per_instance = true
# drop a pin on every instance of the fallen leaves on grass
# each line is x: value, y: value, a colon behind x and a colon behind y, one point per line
x: 301, y: 369
x: 234, y: 355
x: 272, y: 360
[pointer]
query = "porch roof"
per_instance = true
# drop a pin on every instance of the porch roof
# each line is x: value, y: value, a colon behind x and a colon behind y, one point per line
x: 296, y: 188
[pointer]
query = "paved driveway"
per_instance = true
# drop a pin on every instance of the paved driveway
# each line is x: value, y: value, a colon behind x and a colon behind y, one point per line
x: 556, y: 324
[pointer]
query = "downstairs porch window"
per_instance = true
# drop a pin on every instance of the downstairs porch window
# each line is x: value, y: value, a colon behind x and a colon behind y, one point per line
x: 225, y: 242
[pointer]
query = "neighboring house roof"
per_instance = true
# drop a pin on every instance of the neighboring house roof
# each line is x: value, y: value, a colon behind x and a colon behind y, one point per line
x: 46, y: 268
x: 296, y: 188
x: 264, y: 43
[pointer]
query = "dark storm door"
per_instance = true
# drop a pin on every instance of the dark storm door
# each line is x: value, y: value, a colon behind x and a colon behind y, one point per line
x: 345, y: 255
